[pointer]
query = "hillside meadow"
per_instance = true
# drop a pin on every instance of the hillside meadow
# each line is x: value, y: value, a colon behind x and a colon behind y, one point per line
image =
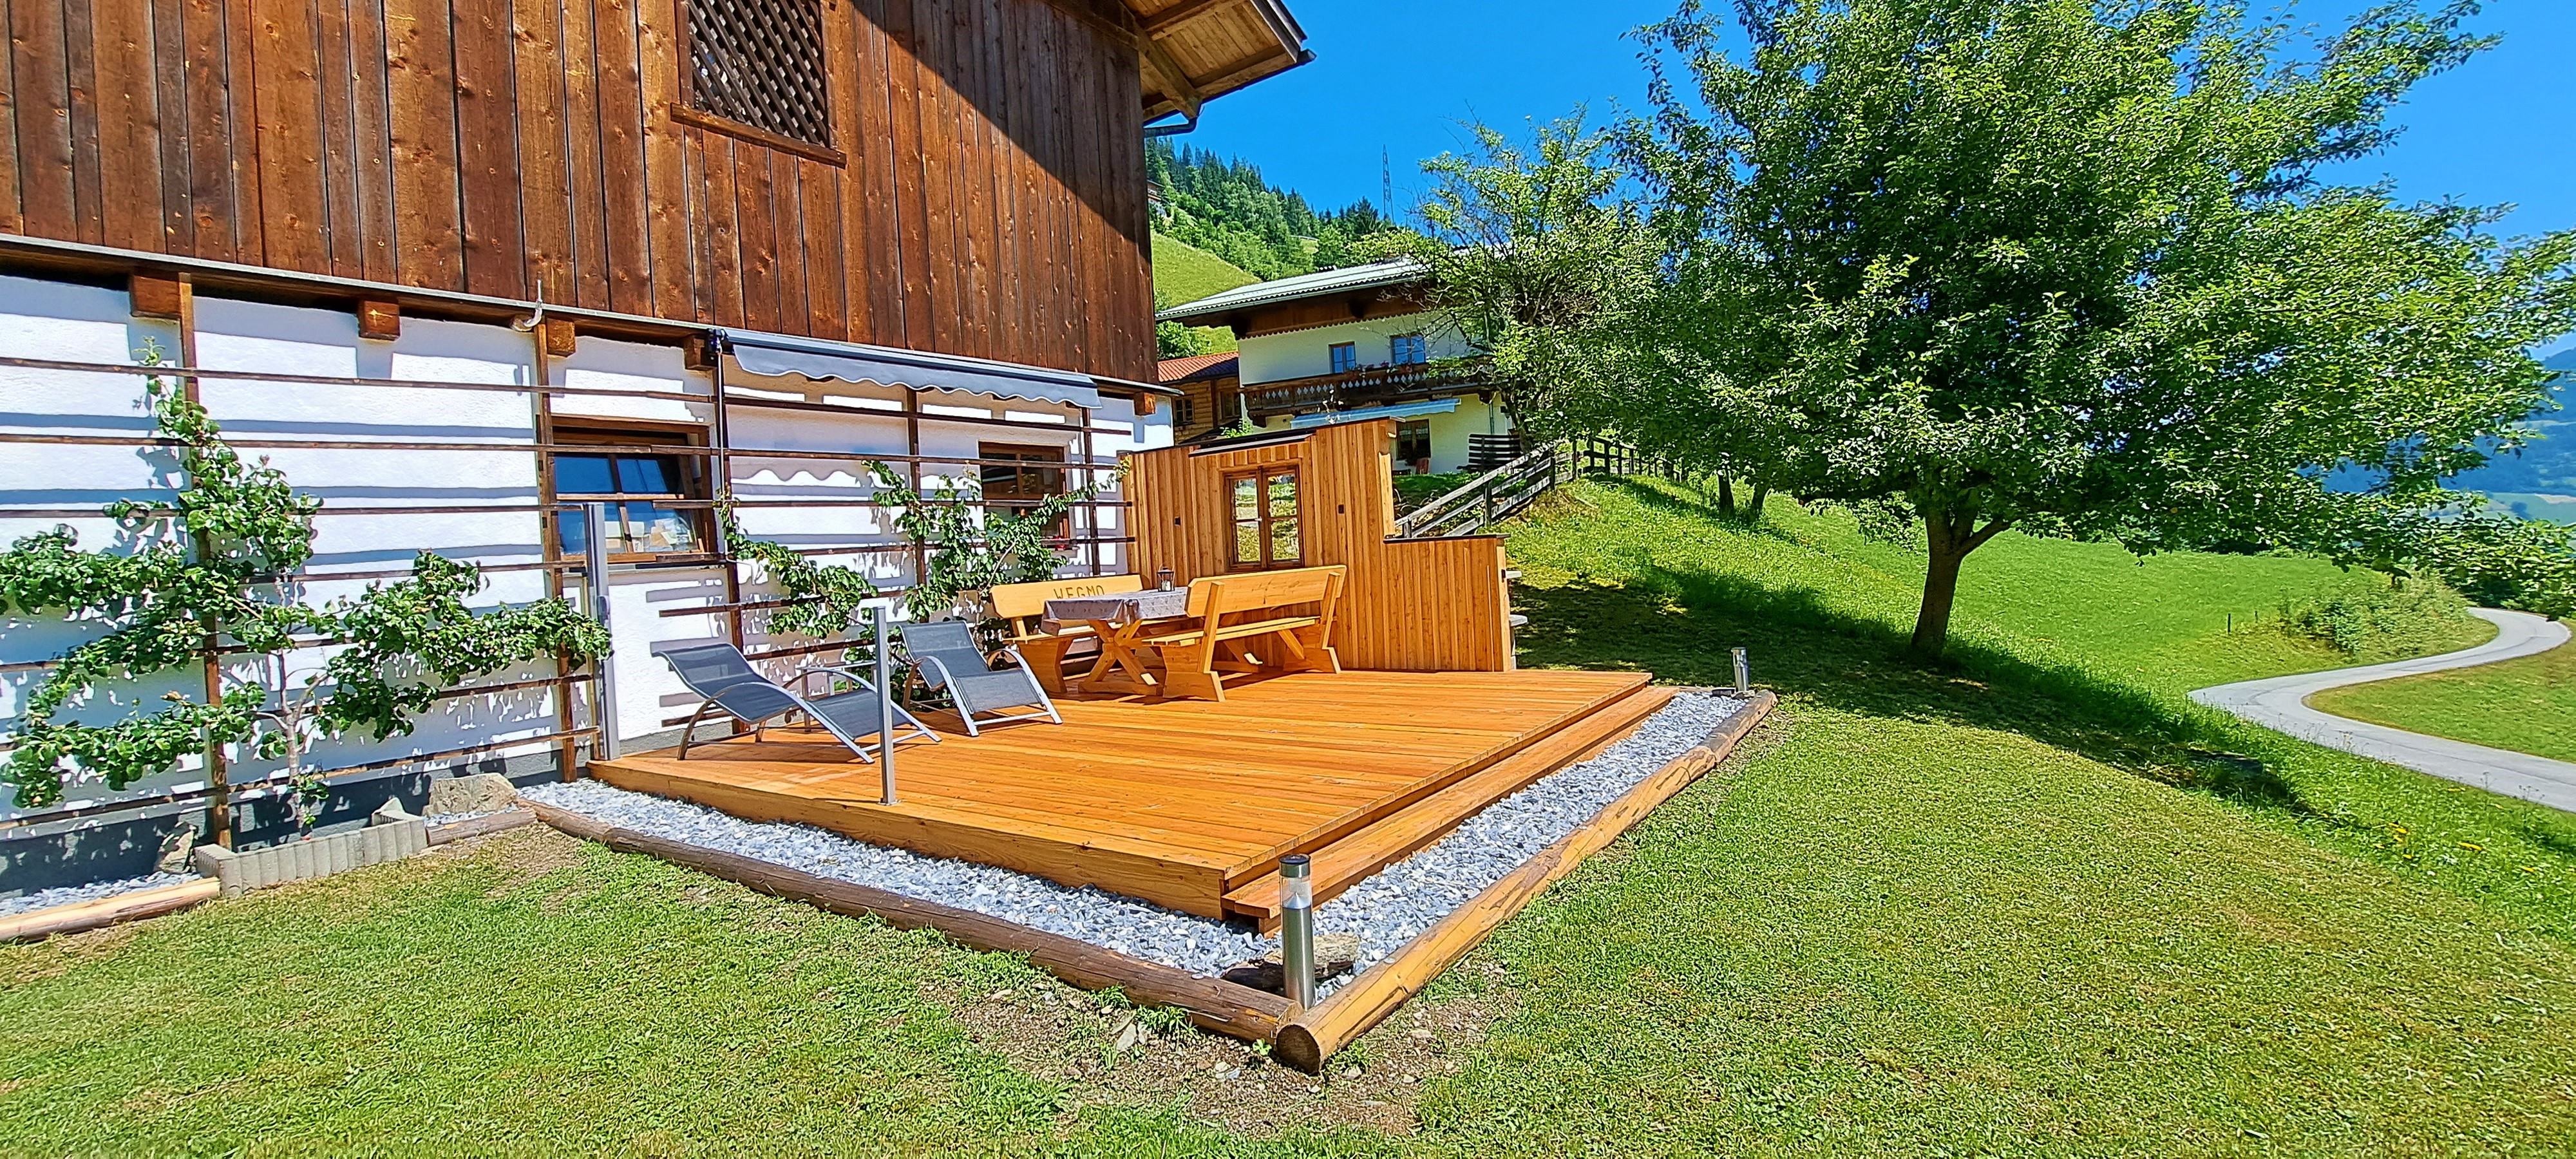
x: 2029, y: 901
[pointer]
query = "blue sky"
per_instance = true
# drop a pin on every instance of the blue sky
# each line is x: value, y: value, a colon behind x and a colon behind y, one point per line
x: 1402, y: 75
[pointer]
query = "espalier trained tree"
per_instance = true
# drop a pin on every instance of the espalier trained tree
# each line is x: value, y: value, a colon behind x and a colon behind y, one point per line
x: 969, y: 547
x: 2066, y: 266
x: 212, y: 575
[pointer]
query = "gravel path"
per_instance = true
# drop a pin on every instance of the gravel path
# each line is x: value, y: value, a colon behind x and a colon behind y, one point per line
x: 94, y: 891
x: 1386, y: 910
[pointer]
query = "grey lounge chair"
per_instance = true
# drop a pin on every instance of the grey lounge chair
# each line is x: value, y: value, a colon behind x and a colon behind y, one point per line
x: 945, y: 655
x: 733, y: 687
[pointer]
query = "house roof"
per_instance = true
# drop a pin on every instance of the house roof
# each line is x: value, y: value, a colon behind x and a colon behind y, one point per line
x: 1320, y: 284
x: 1196, y: 366
x: 1193, y: 51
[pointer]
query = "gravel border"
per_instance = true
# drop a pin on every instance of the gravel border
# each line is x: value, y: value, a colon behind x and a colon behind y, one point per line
x: 1386, y: 910
x: 94, y: 891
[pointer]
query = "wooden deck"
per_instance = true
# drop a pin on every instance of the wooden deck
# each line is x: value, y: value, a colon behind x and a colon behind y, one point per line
x: 1180, y: 801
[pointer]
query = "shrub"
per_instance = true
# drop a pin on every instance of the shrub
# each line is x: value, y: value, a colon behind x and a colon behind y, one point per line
x: 2370, y: 617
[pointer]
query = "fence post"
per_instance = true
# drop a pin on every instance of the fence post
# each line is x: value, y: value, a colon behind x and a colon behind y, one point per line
x: 594, y: 574
x: 885, y: 703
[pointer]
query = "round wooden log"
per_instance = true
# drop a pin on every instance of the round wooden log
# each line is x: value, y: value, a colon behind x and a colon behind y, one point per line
x: 478, y: 826
x: 1214, y: 1004
x: 1309, y: 1037
x: 124, y: 907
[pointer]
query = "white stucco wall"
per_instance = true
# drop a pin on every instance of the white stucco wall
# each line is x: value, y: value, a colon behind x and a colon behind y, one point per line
x: 1302, y: 353
x: 84, y: 323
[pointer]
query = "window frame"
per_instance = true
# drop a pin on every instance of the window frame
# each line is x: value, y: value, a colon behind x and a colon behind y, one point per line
x: 1264, y: 520
x: 687, y: 110
x: 1028, y: 453
x: 691, y: 471
x: 1398, y: 346
x: 1335, y: 354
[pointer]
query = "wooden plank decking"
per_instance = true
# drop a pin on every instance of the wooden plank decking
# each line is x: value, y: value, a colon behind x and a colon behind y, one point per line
x: 1174, y: 801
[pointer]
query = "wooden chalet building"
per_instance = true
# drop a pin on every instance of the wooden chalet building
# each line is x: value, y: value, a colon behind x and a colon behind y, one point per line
x: 459, y: 266
x: 1349, y: 345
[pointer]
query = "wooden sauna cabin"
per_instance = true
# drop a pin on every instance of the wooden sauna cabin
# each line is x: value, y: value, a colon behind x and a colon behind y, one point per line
x: 1318, y: 496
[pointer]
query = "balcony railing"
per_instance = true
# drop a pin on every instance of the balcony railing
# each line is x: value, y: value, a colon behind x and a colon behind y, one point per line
x: 1367, y: 386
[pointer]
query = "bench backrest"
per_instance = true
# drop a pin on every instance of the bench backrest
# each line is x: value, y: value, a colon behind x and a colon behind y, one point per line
x: 1267, y: 589
x: 1022, y: 604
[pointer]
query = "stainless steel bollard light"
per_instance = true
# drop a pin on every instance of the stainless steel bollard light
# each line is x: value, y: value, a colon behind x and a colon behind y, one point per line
x: 1297, y: 928
x: 885, y: 701
x: 1743, y: 675
x: 594, y: 579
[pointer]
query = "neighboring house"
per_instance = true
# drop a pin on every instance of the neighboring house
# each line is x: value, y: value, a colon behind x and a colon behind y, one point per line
x: 1207, y: 383
x: 508, y: 260
x: 1357, y: 343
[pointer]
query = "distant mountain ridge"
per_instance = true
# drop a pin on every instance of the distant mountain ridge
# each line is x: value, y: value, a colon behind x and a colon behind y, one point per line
x: 2548, y: 465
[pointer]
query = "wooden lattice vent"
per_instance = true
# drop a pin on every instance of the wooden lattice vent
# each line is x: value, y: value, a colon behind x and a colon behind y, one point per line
x: 760, y: 63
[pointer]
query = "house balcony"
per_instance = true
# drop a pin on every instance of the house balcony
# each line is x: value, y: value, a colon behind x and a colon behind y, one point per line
x: 1364, y: 387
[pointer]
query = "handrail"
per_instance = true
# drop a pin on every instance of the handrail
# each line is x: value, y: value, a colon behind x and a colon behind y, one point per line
x: 1506, y: 490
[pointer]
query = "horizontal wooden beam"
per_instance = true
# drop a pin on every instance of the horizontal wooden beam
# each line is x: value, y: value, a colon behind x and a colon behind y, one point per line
x: 560, y: 337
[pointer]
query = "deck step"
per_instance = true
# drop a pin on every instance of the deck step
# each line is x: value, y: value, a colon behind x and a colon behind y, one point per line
x: 1354, y: 857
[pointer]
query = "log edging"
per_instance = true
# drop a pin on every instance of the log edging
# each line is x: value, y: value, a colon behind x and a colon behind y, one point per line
x: 138, y: 904
x: 1309, y: 1037
x: 1212, y: 1003
x: 1301, y: 1038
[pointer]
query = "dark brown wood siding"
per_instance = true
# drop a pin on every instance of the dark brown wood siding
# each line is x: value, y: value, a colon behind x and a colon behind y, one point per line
x: 989, y: 199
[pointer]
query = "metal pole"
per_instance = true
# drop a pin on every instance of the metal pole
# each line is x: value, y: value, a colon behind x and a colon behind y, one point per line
x: 1297, y: 928
x: 594, y: 564
x: 885, y: 702
x: 1743, y: 676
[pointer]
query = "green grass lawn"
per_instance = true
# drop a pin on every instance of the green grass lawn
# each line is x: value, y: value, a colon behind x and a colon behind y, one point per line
x: 2030, y: 901
x: 2527, y: 705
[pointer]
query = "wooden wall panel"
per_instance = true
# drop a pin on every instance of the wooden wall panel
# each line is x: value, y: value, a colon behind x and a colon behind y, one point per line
x: 1433, y: 605
x: 987, y: 197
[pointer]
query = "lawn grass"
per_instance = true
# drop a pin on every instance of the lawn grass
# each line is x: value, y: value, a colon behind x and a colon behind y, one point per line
x: 2526, y: 705
x: 2031, y: 901
x: 1186, y: 273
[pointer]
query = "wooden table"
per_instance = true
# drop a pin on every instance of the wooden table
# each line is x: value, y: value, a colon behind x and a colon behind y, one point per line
x: 1119, y: 620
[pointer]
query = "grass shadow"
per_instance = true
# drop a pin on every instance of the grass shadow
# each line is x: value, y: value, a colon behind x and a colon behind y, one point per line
x: 1680, y: 622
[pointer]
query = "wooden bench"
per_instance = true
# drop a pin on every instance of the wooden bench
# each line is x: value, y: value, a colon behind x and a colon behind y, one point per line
x: 1246, y: 622
x: 1022, y: 606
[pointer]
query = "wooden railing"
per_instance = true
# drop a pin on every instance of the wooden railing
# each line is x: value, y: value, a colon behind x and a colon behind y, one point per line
x: 1367, y: 386
x: 1507, y: 490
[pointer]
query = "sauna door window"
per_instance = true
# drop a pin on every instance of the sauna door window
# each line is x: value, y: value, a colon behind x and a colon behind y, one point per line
x: 1266, y: 530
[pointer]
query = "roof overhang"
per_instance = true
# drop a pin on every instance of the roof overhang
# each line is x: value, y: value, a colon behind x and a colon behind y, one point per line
x: 1402, y: 410
x: 1194, y: 51
x: 1370, y: 279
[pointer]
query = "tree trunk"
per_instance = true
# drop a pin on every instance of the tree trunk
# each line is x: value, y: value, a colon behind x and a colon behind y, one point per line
x: 1761, y: 496
x: 1726, y: 494
x: 1949, y: 535
x: 1940, y: 590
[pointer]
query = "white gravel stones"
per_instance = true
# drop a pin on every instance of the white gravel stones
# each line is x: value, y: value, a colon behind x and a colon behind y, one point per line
x: 1412, y: 895
x: 94, y: 891
x: 1386, y: 911
x: 1096, y: 916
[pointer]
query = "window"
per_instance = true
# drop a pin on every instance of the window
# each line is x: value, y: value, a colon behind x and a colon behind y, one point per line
x: 1032, y: 474
x: 638, y: 488
x: 759, y: 63
x: 1407, y: 350
x: 1265, y: 519
x: 1346, y: 357
x: 1413, y: 445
